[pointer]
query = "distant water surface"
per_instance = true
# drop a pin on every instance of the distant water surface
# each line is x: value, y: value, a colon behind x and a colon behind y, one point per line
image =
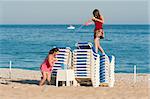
x: 27, y: 45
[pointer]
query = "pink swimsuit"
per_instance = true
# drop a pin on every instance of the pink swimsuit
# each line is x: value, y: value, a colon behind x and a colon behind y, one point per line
x: 45, y: 66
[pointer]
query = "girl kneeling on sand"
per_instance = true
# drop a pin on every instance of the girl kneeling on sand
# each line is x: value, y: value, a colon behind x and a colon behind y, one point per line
x: 47, y: 65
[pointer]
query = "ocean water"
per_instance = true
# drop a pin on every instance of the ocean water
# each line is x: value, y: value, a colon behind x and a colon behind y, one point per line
x: 27, y: 45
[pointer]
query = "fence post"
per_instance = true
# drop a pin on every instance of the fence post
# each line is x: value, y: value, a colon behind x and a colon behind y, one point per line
x: 10, y: 63
x: 134, y: 74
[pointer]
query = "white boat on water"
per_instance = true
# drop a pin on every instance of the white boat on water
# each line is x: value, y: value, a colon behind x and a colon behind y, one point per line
x: 71, y: 27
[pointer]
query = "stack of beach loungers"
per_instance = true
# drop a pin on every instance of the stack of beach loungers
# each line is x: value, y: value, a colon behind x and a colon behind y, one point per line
x: 86, y: 64
x: 107, y: 70
x: 64, y: 58
x: 112, y: 71
x: 104, y: 70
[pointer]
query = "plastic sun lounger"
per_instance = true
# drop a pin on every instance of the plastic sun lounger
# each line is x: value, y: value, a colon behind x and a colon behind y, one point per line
x: 84, y: 63
x: 104, y: 70
x: 107, y: 64
x: 103, y: 65
x: 63, y: 59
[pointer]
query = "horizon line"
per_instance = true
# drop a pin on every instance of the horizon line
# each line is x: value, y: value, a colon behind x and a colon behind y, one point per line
x: 76, y: 24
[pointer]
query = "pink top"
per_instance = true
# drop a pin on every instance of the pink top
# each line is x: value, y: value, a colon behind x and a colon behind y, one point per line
x: 45, y: 66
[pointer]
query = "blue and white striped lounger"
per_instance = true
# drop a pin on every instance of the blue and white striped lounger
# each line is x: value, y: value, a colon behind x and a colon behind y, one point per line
x: 85, y: 64
x: 64, y: 59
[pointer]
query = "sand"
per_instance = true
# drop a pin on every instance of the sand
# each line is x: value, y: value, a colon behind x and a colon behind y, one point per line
x: 24, y: 85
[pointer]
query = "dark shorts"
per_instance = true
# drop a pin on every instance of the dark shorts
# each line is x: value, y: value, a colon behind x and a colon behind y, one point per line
x: 99, y: 33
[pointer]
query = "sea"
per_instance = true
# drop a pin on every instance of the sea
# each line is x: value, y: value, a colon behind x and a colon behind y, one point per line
x: 26, y: 46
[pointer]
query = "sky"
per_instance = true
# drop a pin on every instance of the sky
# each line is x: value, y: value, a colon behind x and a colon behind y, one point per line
x: 73, y: 11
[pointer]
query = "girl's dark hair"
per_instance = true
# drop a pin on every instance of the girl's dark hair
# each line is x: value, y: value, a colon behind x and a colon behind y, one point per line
x: 96, y: 13
x: 53, y: 50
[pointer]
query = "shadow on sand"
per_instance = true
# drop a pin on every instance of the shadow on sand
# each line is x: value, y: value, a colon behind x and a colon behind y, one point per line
x: 32, y: 82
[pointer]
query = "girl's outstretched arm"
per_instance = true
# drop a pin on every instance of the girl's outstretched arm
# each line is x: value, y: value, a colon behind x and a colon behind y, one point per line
x: 89, y: 22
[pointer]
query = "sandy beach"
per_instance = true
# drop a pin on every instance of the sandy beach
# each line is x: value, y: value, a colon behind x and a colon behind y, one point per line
x: 24, y: 85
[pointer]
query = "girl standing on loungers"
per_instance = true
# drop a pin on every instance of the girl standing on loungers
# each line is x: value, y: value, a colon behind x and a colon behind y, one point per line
x: 98, y: 31
x: 47, y: 65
